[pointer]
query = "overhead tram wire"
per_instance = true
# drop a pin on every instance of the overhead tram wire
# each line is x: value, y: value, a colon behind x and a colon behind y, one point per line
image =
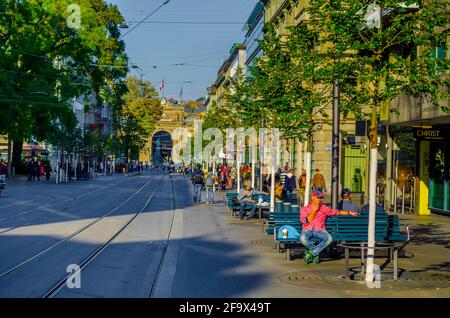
x: 190, y: 22
x: 148, y: 16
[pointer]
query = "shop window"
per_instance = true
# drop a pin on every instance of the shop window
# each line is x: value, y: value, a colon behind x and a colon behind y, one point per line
x: 439, y: 177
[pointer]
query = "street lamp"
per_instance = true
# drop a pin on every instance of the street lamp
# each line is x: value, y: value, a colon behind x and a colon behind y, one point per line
x: 139, y: 70
x: 181, y: 93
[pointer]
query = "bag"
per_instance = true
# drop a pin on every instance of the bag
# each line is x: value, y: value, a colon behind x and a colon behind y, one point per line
x: 235, y: 201
x: 288, y: 232
x: 209, y: 181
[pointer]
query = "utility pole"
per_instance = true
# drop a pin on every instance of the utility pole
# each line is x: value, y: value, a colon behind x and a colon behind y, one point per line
x: 335, y: 152
x: 261, y: 155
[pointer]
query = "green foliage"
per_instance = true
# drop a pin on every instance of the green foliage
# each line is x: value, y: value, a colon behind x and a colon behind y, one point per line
x: 44, y: 63
x: 140, y: 112
x: 290, y: 85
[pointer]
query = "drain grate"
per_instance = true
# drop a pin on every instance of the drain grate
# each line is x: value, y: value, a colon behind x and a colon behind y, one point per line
x: 330, y: 279
x: 261, y: 242
x: 157, y: 242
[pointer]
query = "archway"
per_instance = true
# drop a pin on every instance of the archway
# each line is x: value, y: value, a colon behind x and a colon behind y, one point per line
x: 161, y: 146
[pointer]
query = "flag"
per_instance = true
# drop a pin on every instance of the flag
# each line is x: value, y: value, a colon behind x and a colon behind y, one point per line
x: 161, y: 87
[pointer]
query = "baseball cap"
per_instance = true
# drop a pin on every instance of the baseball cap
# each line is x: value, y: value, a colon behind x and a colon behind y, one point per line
x: 346, y: 191
x: 318, y: 194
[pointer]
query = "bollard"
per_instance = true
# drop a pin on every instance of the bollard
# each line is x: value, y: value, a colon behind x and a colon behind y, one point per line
x: 411, y: 200
x: 395, y: 198
x: 403, y: 200
x: 286, y: 207
x: 278, y: 206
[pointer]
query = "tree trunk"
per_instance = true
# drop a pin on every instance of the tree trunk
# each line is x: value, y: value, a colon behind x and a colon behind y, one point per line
x: 272, y: 184
x: 17, y: 154
x: 372, y: 197
x: 388, y: 189
x: 9, y: 157
x: 308, y: 170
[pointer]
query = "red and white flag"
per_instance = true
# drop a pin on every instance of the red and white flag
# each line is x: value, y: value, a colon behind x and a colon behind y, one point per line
x: 161, y: 87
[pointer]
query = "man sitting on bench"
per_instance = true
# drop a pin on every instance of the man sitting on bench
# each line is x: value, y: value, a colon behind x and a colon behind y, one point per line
x: 313, y: 218
x: 346, y: 202
x: 245, y: 199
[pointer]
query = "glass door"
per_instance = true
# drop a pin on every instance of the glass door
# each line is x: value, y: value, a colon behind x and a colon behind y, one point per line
x: 439, y: 177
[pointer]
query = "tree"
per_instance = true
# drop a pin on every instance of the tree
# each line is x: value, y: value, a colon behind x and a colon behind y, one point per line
x: 394, y: 56
x: 141, y: 111
x: 45, y: 62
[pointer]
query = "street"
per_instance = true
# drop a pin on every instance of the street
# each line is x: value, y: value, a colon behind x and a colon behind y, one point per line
x: 141, y: 236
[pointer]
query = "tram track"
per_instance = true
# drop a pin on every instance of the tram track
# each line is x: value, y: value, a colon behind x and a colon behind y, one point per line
x: 165, y: 246
x: 72, y: 235
x: 71, y: 202
x: 53, y: 291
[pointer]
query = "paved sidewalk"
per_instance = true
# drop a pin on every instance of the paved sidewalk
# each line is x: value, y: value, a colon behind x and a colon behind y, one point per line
x: 424, y: 264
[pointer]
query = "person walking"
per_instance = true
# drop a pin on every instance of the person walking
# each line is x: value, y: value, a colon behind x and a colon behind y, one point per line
x: 233, y: 176
x: 197, y: 180
x: 313, y: 218
x: 48, y: 170
x: 29, y: 169
x: 210, y: 180
x: 36, y: 171
x: 318, y: 182
x: 302, y: 185
x: 290, y: 184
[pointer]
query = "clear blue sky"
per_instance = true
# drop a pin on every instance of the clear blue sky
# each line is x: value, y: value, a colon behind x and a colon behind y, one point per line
x: 204, y: 46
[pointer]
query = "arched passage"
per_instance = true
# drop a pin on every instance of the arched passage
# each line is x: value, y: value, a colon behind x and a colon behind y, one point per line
x: 161, y: 146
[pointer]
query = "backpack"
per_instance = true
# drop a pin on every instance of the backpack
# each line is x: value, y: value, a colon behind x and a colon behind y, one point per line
x: 292, y: 233
x: 209, y: 181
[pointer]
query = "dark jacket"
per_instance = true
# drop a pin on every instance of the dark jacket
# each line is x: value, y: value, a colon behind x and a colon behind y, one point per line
x: 197, y: 177
x: 289, y: 183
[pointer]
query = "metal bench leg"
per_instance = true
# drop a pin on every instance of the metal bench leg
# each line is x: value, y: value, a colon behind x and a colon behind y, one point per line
x: 395, y: 263
x: 347, y: 263
x: 288, y: 254
x: 363, y: 269
x: 277, y: 247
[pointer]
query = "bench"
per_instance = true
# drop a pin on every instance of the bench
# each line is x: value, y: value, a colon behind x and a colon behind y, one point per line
x: 350, y: 233
x: 235, y: 207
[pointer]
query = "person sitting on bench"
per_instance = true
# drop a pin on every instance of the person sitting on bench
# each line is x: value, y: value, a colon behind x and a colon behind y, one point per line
x: 245, y: 199
x: 313, y: 218
x: 346, y: 202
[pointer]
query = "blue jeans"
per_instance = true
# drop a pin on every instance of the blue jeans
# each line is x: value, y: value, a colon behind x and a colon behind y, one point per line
x: 209, y: 195
x: 197, y: 192
x: 252, y: 211
x: 324, y: 237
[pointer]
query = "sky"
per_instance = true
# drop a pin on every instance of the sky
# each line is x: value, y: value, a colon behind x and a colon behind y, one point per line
x: 204, y: 47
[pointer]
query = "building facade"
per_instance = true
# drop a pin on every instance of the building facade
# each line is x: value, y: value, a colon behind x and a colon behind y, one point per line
x: 284, y: 14
x: 254, y: 28
x: 430, y: 132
